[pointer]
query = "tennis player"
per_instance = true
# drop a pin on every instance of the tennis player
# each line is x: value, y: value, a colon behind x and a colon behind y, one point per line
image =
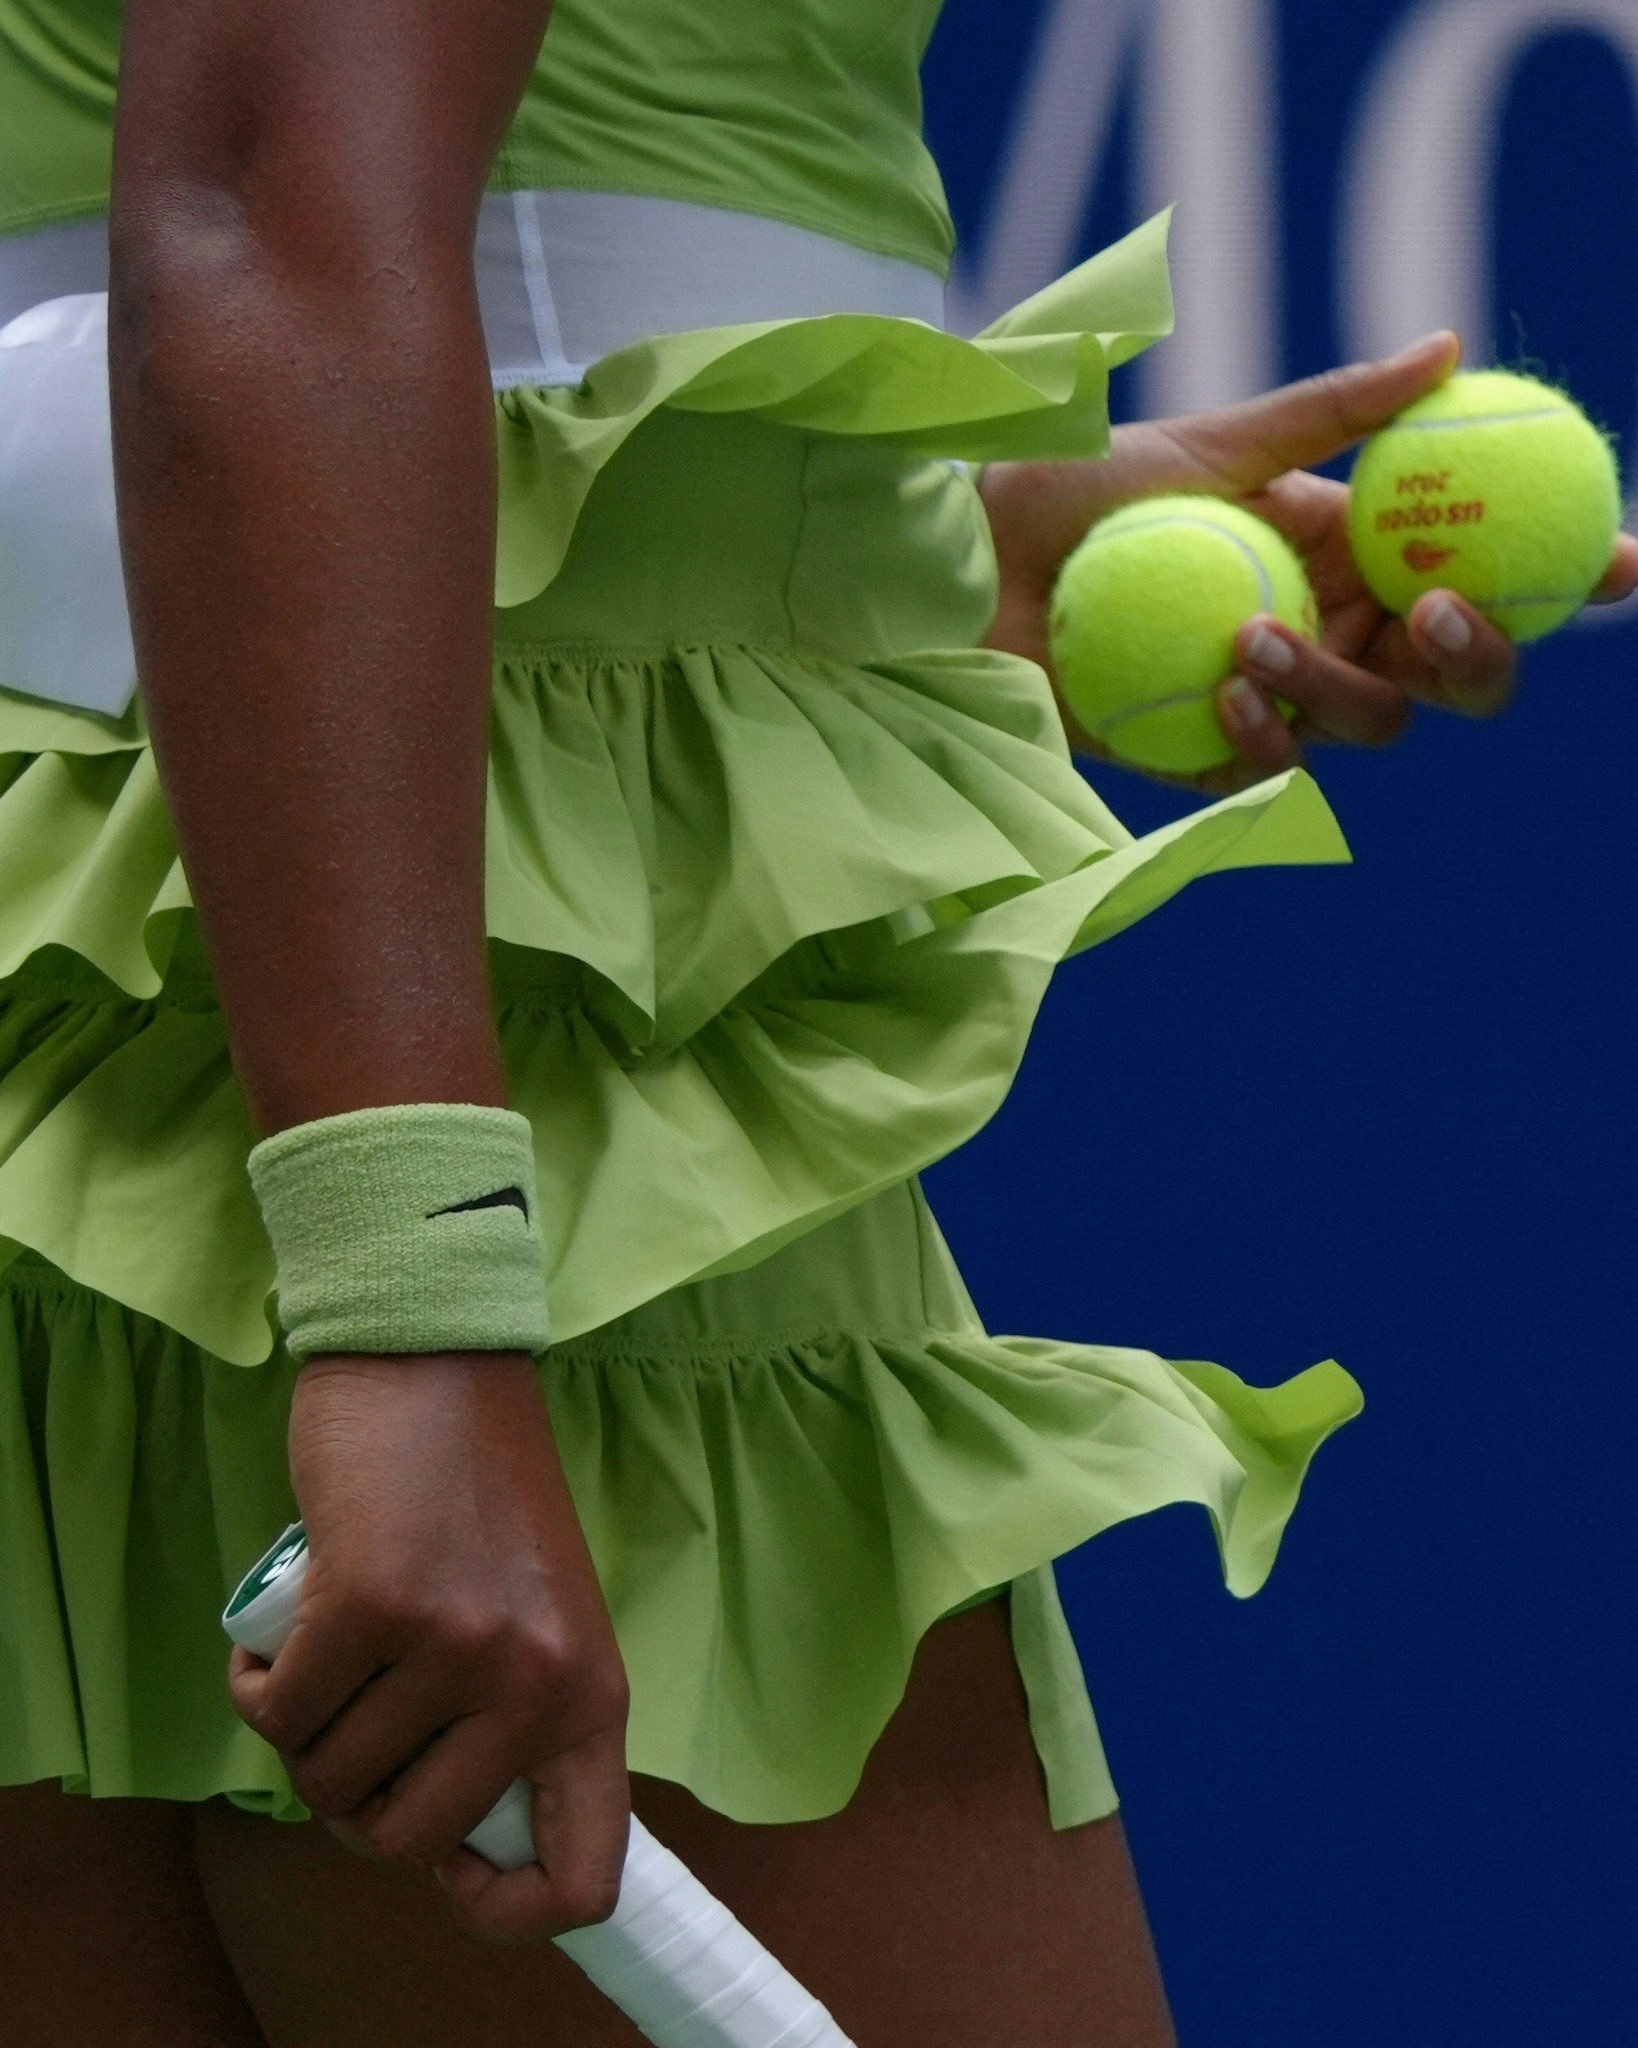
x: 471, y: 1024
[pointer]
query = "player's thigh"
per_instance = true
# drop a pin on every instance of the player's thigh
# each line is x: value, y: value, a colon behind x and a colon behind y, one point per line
x: 105, y: 1940
x: 939, y: 1906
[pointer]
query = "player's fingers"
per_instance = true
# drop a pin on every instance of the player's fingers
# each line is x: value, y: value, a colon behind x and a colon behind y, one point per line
x: 1303, y: 425
x: 431, y: 1806
x: 375, y: 1739
x: 1336, y: 699
x: 1475, y: 667
x: 1447, y: 654
x: 317, y: 1672
x: 509, y: 1908
x: 1622, y: 579
x: 582, y: 1824
x: 1263, y: 743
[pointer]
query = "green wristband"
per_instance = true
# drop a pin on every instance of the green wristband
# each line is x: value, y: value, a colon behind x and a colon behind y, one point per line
x: 406, y: 1229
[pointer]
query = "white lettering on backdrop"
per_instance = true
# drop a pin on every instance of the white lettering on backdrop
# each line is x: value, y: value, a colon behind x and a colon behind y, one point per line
x: 1414, y: 240
x: 1208, y: 139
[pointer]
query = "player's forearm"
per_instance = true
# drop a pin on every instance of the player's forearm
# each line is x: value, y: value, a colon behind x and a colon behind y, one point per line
x: 305, y: 459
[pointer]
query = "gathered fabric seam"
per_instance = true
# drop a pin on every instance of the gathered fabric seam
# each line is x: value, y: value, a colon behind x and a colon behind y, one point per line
x: 751, y: 1346
x: 799, y: 536
x: 919, y: 1223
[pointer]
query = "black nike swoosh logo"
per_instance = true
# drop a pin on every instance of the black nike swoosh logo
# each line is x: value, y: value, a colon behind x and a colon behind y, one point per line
x: 502, y: 1198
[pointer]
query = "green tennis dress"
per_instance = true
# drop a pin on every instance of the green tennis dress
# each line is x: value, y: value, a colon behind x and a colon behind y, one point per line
x: 780, y: 864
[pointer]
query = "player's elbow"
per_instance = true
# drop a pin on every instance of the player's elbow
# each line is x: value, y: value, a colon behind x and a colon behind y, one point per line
x: 254, y: 211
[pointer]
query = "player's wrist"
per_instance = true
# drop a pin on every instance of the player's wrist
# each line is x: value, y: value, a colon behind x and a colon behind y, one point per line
x: 399, y: 1371
x: 407, y: 1229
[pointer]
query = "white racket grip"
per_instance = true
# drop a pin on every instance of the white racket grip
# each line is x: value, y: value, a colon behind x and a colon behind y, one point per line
x: 672, y: 1958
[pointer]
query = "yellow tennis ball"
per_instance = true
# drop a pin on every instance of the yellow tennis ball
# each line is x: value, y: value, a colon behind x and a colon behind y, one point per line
x: 1144, y: 619
x: 1496, y: 487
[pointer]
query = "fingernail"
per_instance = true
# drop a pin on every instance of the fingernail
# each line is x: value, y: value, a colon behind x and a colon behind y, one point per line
x: 1267, y: 651
x: 1246, y: 702
x: 1447, y: 628
x: 1420, y: 347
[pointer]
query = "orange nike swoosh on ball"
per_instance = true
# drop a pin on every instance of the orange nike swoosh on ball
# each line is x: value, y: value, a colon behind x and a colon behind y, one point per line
x: 1423, y: 560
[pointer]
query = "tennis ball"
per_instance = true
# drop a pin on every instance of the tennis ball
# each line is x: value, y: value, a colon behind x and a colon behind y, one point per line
x: 1144, y: 618
x: 1493, y: 486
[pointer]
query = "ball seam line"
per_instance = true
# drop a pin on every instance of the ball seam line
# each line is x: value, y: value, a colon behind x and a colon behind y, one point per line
x: 1127, y: 713
x: 1452, y: 422
x: 1265, y: 582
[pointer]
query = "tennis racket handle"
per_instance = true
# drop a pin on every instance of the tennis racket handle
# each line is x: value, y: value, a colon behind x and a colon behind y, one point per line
x: 672, y: 1958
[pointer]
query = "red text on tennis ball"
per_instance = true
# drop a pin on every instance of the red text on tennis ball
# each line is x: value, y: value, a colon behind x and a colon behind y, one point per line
x: 1497, y: 487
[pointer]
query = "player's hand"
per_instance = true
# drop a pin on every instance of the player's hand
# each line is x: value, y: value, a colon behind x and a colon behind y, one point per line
x: 1361, y: 683
x: 451, y: 1637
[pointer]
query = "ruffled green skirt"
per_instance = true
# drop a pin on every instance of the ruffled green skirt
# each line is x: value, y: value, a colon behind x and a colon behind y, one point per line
x: 779, y: 868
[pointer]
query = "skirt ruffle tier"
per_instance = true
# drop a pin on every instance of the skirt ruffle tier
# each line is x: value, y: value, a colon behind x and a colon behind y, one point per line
x: 779, y: 868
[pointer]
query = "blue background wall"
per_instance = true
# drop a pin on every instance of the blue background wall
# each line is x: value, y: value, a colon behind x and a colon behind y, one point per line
x: 1384, y: 1114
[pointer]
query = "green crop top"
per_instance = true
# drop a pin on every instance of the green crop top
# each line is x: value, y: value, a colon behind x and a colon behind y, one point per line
x: 806, y: 111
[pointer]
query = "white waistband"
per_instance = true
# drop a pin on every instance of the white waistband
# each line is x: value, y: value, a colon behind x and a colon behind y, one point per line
x: 566, y: 277
x: 563, y: 278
